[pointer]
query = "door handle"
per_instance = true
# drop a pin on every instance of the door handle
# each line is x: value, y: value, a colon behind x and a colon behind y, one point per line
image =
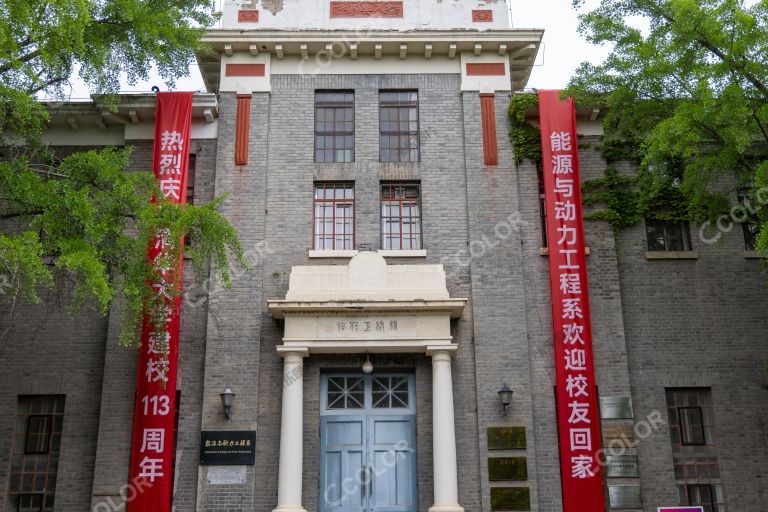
x: 369, y: 480
x: 364, y: 483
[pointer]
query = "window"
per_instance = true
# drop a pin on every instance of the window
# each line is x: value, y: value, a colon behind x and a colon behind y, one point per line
x: 389, y: 392
x: 35, y: 452
x: 190, y: 190
x: 399, y: 126
x: 705, y: 496
x: 346, y: 393
x: 667, y: 235
x: 691, y: 426
x: 542, y: 206
x: 694, y: 448
x: 400, y: 217
x: 750, y: 224
x: 334, y: 216
x: 191, y: 179
x: 334, y: 126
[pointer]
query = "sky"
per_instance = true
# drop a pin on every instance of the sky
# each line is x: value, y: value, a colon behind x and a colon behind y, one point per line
x: 563, y: 49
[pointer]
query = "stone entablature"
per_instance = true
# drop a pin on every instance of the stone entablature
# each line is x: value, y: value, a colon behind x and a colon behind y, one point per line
x: 367, y: 306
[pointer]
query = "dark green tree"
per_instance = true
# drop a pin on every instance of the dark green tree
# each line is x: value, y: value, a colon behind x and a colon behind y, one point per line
x: 84, y: 219
x: 687, y: 98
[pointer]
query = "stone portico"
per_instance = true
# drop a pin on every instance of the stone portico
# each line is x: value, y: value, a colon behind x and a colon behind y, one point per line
x: 367, y: 307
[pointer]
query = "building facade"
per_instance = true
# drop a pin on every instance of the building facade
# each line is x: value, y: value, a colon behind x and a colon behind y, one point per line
x: 364, y: 149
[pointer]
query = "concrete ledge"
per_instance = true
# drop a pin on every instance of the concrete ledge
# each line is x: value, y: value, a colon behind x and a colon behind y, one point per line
x: 753, y: 255
x: 332, y: 254
x: 671, y: 255
x: 412, y: 253
x: 544, y: 251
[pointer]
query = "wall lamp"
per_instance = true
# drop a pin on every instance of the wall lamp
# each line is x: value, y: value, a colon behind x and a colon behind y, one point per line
x: 506, y: 397
x: 227, y: 398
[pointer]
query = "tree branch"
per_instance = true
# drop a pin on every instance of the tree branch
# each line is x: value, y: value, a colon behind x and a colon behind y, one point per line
x: 53, y: 81
x: 760, y: 125
x: 706, y: 44
x: 21, y: 60
x: 12, y: 215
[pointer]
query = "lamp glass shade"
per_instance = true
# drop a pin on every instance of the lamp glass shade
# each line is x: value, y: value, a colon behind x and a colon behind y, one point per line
x: 505, y: 394
x: 227, y: 397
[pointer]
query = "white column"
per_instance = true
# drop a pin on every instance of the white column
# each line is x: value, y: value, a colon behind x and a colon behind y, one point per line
x: 291, y: 433
x: 443, y: 432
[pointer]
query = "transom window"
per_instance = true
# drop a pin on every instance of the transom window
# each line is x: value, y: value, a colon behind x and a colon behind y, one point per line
x: 694, y: 448
x: 334, y: 126
x: 667, y: 235
x: 334, y: 224
x: 346, y: 393
x: 388, y: 392
x: 400, y: 216
x: 35, y: 453
x: 399, y: 126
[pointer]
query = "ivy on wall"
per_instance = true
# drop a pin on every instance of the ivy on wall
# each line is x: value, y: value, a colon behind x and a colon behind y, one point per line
x: 621, y: 200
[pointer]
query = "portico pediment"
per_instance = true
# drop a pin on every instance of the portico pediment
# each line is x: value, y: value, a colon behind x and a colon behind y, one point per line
x: 367, y: 306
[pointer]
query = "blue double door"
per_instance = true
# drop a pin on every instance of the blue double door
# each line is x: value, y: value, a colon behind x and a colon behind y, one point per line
x: 368, y: 444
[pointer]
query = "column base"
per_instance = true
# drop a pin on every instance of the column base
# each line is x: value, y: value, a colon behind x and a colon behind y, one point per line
x: 446, y: 507
x: 290, y: 508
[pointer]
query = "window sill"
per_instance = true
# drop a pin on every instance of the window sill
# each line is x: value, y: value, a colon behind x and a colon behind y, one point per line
x: 332, y: 254
x: 671, y: 255
x: 410, y: 253
x: 544, y: 251
x: 753, y: 255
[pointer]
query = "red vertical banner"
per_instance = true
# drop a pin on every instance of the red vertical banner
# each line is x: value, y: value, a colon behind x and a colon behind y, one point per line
x: 153, y: 426
x: 577, y: 413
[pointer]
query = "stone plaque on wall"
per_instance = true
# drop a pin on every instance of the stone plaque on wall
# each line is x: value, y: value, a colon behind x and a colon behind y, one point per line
x: 510, y: 498
x: 623, y: 497
x: 506, y: 438
x: 621, y: 466
x: 226, y: 475
x: 366, y: 327
x: 507, y: 468
x: 616, y: 408
x: 618, y: 438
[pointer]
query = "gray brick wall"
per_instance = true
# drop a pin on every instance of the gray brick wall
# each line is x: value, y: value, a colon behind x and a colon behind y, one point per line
x: 656, y: 324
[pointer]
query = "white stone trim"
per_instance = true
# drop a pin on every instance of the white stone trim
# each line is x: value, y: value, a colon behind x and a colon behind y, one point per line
x: 332, y: 254
x: 412, y: 253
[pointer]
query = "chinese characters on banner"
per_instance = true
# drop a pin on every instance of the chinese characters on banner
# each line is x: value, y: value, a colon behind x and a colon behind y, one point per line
x: 153, y: 427
x: 577, y: 412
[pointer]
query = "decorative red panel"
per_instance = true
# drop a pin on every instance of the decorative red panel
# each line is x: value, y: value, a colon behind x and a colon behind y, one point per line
x: 482, y: 15
x: 245, y: 70
x: 366, y: 9
x: 248, y: 16
x: 242, y: 129
x: 488, y: 116
x: 486, y: 69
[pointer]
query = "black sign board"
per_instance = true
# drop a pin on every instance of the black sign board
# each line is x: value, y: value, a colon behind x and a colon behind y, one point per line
x: 228, y: 448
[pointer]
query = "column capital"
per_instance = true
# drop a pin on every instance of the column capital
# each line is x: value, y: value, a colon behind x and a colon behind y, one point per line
x: 441, y: 352
x: 292, y: 352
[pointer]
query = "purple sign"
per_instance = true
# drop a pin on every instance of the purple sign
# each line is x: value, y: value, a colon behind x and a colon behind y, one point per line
x: 681, y: 509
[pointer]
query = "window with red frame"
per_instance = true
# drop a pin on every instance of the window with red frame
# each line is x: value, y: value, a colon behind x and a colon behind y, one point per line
x: 694, y: 448
x: 35, y: 453
x: 400, y: 216
x: 334, y: 226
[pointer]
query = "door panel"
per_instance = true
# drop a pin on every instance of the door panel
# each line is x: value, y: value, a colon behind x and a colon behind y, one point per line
x: 342, y: 463
x: 392, y: 452
x: 367, y: 444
